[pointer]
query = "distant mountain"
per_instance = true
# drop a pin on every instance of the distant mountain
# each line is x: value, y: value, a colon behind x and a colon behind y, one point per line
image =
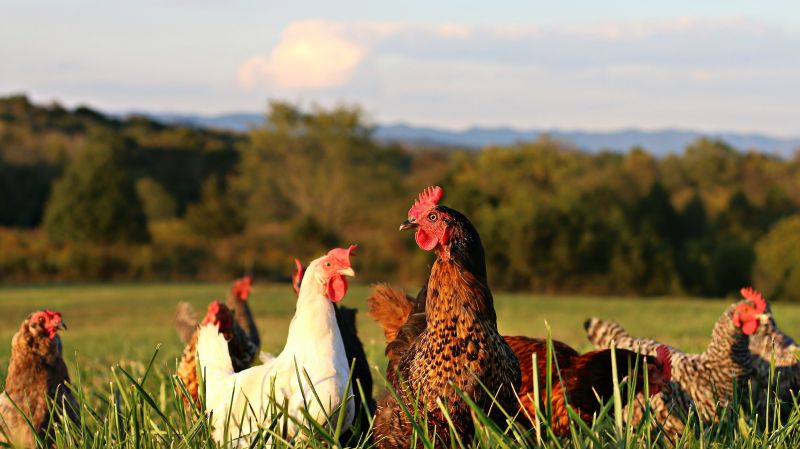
x: 659, y: 142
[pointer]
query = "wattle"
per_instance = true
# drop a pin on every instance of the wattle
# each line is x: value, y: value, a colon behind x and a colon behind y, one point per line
x: 424, y: 240
x: 750, y: 327
x: 336, y: 288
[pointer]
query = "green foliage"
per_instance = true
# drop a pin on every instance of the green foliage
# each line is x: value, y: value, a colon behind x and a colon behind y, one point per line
x: 95, y: 200
x: 551, y: 217
x: 158, y: 203
x: 777, y: 268
x: 218, y: 214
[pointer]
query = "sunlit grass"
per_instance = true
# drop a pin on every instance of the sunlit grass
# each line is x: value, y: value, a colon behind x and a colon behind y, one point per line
x: 128, y: 394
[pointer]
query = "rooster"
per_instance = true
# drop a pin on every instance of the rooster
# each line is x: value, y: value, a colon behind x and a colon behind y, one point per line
x: 353, y: 347
x: 586, y: 377
x: 699, y: 381
x: 241, y: 403
x: 37, y: 378
x: 241, y: 349
x: 584, y: 381
x: 453, y: 342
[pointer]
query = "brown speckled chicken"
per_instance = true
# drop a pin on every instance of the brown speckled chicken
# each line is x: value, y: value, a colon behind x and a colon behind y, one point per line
x: 37, y: 376
x: 583, y: 374
x: 455, y: 341
x: 700, y: 381
x: 240, y: 347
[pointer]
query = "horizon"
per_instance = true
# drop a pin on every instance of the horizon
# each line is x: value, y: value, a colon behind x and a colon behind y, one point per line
x: 719, y: 67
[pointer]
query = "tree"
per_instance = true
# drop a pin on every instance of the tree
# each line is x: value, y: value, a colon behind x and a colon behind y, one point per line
x: 158, y: 203
x: 777, y: 267
x: 95, y: 201
x: 217, y: 214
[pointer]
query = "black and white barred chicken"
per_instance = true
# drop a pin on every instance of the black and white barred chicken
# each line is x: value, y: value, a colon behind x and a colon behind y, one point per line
x: 703, y: 381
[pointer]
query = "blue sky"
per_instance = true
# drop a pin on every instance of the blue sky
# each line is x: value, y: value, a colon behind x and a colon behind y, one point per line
x: 709, y: 65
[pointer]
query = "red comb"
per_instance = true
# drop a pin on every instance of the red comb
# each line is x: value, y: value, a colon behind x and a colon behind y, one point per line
x: 298, y: 276
x: 343, y: 255
x: 755, y: 297
x: 426, y: 200
x: 241, y: 288
x: 665, y: 357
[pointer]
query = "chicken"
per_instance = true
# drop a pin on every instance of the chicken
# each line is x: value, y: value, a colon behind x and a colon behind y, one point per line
x: 240, y: 347
x: 584, y: 375
x: 767, y: 344
x: 241, y: 403
x: 354, y: 348
x: 585, y: 378
x: 237, y: 301
x: 453, y: 343
x: 37, y: 378
x: 699, y: 381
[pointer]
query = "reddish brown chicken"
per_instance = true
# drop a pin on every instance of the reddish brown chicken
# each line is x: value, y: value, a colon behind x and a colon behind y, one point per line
x: 450, y: 340
x: 240, y: 347
x: 585, y: 378
x: 37, y: 378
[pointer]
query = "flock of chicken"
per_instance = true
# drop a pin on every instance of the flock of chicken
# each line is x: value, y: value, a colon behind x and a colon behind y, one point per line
x: 445, y: 357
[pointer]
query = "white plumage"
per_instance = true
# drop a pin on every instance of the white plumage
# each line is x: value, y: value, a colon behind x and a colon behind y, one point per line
x: 240, y: 402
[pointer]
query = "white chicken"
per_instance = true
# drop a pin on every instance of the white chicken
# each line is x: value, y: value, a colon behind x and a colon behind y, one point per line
x: 242, y: 403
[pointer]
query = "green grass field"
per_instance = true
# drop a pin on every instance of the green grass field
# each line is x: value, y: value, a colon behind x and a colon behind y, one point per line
x: 123, y: 324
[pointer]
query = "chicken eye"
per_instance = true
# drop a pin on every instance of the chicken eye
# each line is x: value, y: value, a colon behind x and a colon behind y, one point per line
x: 327, y: 264
x: 432, y: 217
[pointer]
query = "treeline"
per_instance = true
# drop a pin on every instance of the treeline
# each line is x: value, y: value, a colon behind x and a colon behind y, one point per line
x: 86, y: 196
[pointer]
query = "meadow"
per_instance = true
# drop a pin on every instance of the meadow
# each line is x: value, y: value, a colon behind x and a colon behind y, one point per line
x: 123, y: 325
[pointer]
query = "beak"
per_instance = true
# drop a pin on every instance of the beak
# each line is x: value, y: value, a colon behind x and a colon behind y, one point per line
x: 408, y: 224
x: 347, y: 272
x: 62, y: 326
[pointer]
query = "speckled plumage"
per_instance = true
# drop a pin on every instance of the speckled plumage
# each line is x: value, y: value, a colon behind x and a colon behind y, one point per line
x: 454, y: 341
x: 768, y: 343
x: 700, y: 381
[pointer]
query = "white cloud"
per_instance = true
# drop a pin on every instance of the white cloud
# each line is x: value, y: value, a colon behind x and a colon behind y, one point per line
x: 312, y: 54
x: 708, y: 73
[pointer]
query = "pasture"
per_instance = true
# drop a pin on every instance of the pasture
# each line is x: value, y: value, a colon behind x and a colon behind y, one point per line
x: 109, y: 323
x: 124, y: 324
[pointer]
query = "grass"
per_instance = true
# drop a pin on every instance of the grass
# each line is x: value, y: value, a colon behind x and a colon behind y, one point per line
x: 122, y: 325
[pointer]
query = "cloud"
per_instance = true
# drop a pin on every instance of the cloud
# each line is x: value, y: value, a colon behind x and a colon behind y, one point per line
x: 312, y: 54
x: 718, y: 73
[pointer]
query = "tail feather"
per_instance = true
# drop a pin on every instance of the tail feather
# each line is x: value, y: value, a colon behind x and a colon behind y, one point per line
x: 390, y: 307
x: 185, y: 321
x: 212, y: 352
x: 602, y: 333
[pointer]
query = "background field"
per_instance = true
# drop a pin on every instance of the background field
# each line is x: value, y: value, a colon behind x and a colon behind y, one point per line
x: 111, y: 324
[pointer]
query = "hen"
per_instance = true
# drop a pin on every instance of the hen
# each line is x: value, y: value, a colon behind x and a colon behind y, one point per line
x: 699, y: 381
x: 353, y: 347
x: 242, y: 403
x: 454, y: 342
x: 584, y: 381
x: 37, y: 378
x: 237, y: 302
x: 586, y: 377
x: 240, y: 348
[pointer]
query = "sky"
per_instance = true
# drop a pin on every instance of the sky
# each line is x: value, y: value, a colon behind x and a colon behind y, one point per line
x: 709, y: 65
